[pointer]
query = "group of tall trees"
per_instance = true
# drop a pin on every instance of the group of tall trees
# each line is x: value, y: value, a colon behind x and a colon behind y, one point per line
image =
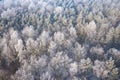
x: 60, y: 40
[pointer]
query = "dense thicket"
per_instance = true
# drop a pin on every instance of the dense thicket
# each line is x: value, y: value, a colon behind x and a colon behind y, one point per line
x: 60, y: 40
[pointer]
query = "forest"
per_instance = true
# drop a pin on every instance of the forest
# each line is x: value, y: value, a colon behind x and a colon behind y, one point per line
x: 59, y: 39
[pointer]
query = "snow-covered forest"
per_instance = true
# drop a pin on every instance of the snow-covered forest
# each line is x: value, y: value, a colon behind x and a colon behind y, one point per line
x: 60, y: 40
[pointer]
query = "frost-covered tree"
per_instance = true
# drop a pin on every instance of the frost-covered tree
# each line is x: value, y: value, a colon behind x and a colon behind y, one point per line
x: 60, y: 40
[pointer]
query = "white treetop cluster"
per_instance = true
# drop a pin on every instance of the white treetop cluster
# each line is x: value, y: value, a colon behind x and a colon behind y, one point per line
x: 60, y: 40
